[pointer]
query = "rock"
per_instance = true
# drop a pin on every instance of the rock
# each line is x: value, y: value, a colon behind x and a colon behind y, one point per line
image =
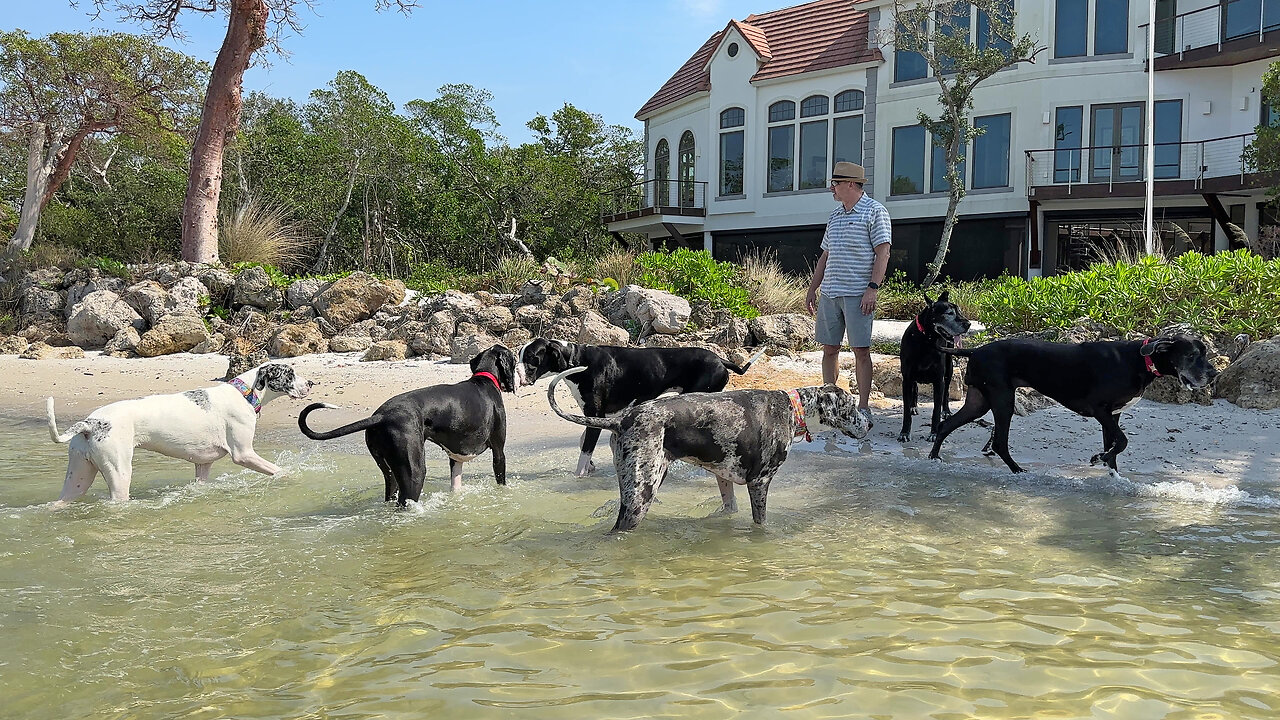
x: 47, y: 278
x: 660, y: 341
x: 792, y: 331
x: 44, y: 351
x: 495, y: 319
x: 657, y: 311
x: 253, y: 287
x: 1253, y: 380
x: 532, y: 318
x: 303, y: 291
x: 735, y: 333
x: 580, y: 299
x: 45, y: 329
x: 350, y: 342
x: 166, y: 274
x: 386, y: 350
x: 532, y: 293
x: 351, y: 299
x: 1027, y: 401
x: 149, y: 299
x: 242, y: 363
x: 484, y: 297
x: 37, y: 301
x: 173, y: 334
x: 516, y: 338
x: 219, y: 283
x: 214, y: 344
x: 886, y: 376
x: 13, y: 345
x: 296, y: 339
x: 595, y: 330
x: 124, y: 344
x: 1169, y: 390
x: 99, y: 317
x: 397, y: 293
x: 465, y: 347
x: 79, y: 291
x: 563, y: 329
x: 189, y: 297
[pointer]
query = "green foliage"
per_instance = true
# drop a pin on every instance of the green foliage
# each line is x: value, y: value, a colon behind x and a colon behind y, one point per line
x: 1264, y: 152
x: 110, y: 267
x: 1233, y: 292
x: 278, y: 278
x: 432, y: 277
x: 695, y: 275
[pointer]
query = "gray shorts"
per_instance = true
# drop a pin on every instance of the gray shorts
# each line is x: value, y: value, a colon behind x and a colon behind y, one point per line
x: 836, y: 315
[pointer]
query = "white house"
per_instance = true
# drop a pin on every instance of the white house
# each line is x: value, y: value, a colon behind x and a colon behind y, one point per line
x: 740, y: 140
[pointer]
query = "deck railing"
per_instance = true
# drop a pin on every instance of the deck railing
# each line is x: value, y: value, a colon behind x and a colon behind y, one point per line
x: 1214, y: 25
x: 1110, y: 164
x: 681, y: 197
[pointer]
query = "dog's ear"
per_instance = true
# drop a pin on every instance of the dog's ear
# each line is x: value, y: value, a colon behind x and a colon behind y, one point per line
x: 1159, y: 345
x: 927, y: 301
x: 945, y: 296
x: 264, y: 374
x: 506, y: 369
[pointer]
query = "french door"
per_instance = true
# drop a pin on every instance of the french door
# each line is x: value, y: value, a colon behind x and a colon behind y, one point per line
x: 1116, y: 140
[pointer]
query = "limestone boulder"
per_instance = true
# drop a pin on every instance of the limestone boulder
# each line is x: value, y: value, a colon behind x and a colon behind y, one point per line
x: 44, y: 351
x: 124, y: 344
x: 390, y: 350
x: 792, y: 331
x: 149, y: 299
x: 1253, y: 380
x: 254, y: 288
x: 734, y: 333
x: 172, y: 334
x: 596, y: 330
x: 656, y: 311
x: 465, y: 347
x: 886, y: 376
x: 296, y: 339
x: 37, y: 301
x: 98, y: 318
x: 303, y: 291
x: 351, y: 299
x: 80, y: 290
x: 219, y: 283
x: 13, y: 345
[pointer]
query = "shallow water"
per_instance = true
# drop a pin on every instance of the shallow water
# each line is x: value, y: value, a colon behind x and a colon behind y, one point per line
x: 879, y: 588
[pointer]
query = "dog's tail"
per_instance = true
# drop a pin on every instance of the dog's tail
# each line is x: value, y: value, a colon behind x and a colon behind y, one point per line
x: 601, y: 423
x: 742, y: 369
x: 71, y: 432
x: 356, y: 426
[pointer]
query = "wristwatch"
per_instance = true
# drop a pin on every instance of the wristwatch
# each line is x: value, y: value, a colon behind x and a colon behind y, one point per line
x: 873, y: 285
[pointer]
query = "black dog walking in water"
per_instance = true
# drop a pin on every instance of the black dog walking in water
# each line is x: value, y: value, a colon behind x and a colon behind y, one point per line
x: 940, y: 323
x: 464, y: 419
x: 1093, y: 379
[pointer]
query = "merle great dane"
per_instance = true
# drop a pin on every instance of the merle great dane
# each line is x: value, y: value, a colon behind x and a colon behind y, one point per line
x: 939, y: 324
x: 198, y: 426
x: 464, y: 419
x: 1093, y: 379
x: 616, y: 377
x: 741, y: 437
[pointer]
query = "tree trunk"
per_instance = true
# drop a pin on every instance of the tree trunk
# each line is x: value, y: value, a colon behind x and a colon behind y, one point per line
x: 38, y: 172
x: 954, y: 196
x: 61, y: 162
x: 219, y: 120
x: 333, y: 226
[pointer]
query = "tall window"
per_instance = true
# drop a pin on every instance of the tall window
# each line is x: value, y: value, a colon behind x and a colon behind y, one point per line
x: 938, y: 167
x: 846, y: 132
x: 684, y: 169
x: 908, y: 64
x: 987, y: 37
x: 953, y: 22
x: 1067, y: 136
x: 991, y: 152
x: 956, y: 20
x: 908, y: 160
x: 1070, y: 28
x: 1167, y: 139
x: 813, y: 142
x: 1241, y: 17
x: 782, y: 147
x: 662, y: 172
x: 731, y: 151
x: 1110, y: 27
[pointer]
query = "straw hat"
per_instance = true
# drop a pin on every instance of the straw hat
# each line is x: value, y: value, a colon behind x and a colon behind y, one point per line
x: 849, y: 171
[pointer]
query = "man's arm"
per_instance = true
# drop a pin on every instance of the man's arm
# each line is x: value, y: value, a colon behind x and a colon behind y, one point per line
x: 879, y: 267
x: 811, y: 299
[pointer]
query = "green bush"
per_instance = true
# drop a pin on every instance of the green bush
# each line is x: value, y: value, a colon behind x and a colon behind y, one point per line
x: 432, y: 277
x: 1231, y: 292
x: 695, y: 275
x: 277, y: 277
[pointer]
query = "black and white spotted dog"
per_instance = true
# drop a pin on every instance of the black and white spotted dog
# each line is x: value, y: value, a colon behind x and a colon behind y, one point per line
x: 198, y: 426
x: 616, y: 377
x: 741, y: 437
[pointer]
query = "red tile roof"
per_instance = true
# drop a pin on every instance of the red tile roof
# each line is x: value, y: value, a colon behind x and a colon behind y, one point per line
x: 814, y: 36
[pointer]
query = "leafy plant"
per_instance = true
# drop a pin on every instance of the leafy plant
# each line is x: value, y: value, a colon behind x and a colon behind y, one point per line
x: 278, y: 278
x: 695, y: 275
x: 110, y: 267
x: 432, y: 277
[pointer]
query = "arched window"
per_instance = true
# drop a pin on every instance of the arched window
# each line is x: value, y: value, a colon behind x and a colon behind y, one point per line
x: 782, y: 147
x: 732, y: 122
x: 684, y: 169
x: 662, y: 172
x: 803, y: 149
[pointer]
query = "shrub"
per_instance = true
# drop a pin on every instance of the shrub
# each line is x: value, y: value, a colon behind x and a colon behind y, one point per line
x: 274, y: 274
x: 695, y: 275
x: 618, y: 265
x: 258, y: 234
x: 432, y: 277
x: 770, y: 289
x: 512, y: 272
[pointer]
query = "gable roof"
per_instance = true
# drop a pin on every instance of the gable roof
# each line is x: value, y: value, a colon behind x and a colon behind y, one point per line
x: 805, y: 38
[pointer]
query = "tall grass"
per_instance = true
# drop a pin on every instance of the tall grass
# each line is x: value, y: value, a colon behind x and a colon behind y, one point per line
x: 619, y: 265
x: 771, y: 289
x: 262, y: 234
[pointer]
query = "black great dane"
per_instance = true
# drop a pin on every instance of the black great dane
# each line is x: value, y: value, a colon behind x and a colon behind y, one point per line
x: 940, y: 323
x: 1093, y: 379
x: 464, y: 419
x: 616, y: 377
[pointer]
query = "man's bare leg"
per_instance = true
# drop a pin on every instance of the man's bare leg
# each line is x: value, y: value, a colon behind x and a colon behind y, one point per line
x: 831, y: 364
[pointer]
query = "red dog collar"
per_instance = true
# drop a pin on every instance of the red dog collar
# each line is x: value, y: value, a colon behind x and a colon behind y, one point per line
x: 491, y: 377
x: 1151, y: 365
x: 918, y: 325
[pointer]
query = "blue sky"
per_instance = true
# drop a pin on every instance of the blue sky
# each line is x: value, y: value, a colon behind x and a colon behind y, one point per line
x: 606, y: 57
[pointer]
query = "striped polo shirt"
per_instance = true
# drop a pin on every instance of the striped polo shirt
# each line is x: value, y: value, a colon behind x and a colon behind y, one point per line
x: 849, y: 240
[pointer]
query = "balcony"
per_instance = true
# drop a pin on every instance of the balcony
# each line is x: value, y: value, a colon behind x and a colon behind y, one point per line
x: 1184, y: 168
x: 673, y: 207
x: 1231, y: 33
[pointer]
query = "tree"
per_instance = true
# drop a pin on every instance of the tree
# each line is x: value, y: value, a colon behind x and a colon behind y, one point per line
x: 251, y: 25
x: 1264, y: 152
x: 939, y: 30
x: 69, y: 87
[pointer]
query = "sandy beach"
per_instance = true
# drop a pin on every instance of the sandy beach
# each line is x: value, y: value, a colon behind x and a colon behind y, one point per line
x: 1218, y: 447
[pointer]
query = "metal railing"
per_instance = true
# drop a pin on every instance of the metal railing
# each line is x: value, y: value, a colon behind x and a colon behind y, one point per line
x: 677, y: 197
x: 1214, y: 25
x: 1110, y: 164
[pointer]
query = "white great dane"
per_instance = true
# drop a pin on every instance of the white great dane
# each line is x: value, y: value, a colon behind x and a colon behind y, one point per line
x: 198, y: 426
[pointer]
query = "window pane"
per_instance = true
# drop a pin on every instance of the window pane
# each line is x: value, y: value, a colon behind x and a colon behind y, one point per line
x: 908, y: 65
x: 685, y: 170
x: 813, y: 154
x: 814, y: 105
x: 1111, y: 27
x: 849, y: 100
x: 1168, y: 129
x: 1241, y: 17
x: 908, y: 160
x: 781, y: 155
x: 1270, y: 115
x: 953, y: 24
x: 1070, y: 28
x: 938, y: 167
x: 783, y: 110
x: 732, y: 118
x: 991, y: 152
x: 987, y: 38
x: 731, y: 163
x: 1067, y: 141
x: 847, y: 140
x: 662, y: 172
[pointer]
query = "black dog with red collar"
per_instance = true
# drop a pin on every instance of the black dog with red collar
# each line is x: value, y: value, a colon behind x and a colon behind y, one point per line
x: 939, y: 323
x: 464, y: 419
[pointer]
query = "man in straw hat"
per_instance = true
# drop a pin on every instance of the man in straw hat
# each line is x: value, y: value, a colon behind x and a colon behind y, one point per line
x: 855, y: 257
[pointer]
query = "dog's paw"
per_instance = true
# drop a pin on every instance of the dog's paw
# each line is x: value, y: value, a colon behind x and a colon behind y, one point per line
x: 1095, y: 459
x: 906, y: 437
x: 583, y: 472
x: 932, y: 437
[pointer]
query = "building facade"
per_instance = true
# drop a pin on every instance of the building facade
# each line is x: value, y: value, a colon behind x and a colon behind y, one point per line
x: 741, y: 139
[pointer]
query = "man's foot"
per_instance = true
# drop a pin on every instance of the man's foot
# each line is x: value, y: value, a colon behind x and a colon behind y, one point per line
x: 866, y: 414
